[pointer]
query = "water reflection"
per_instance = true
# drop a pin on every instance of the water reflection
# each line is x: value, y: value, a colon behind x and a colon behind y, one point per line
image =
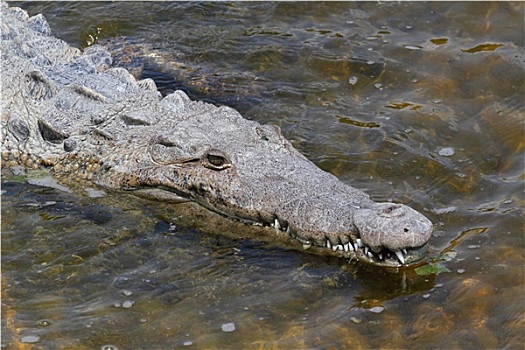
x: 108, y: 276
x: 376, y: 93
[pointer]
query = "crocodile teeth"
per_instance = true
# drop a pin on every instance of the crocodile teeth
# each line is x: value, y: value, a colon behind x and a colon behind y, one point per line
x: 399, y: 255
x: 404, y: 251
x: 306, y: 246
x: 276, y: 224
x: 288, y: 229
x: 354, y: 246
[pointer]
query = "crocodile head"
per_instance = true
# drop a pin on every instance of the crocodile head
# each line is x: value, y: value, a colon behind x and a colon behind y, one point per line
x: 250, y: 172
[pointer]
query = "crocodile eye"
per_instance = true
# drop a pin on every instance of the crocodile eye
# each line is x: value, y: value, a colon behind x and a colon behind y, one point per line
x: 216, y: 160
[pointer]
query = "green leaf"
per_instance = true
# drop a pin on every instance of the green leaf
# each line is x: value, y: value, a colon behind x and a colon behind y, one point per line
x: 431, y: 269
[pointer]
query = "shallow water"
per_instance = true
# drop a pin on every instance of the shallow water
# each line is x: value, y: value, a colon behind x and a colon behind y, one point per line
x: 420, y: 103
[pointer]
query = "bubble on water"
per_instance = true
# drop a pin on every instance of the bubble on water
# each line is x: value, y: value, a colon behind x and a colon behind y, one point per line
x: 43, y: 323
x: 355, y: 320
x: 446, y: 151
x: 228, y: 327
x: 439, y: 211
x: 127, y: 304
x: 377, y: 309
x: 127, y: 292
x: 352, y: 80
x: 187, y: 343
x: 108, y: 347
x: 30, y: 339
x: 461, y: 270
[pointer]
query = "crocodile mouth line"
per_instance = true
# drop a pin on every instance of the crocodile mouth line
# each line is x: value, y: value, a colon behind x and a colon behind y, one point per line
x: 354, y: 247
x: 382, y: 256
x: 351, y: 247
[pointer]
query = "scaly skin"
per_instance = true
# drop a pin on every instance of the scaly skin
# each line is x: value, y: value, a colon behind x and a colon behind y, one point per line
x: 70, y: 111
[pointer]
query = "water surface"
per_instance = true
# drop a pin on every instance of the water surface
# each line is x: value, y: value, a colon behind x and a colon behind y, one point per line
x: 419, y: 103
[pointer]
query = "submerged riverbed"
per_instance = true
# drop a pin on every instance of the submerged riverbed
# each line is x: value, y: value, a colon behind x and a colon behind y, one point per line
x: 419, y: 103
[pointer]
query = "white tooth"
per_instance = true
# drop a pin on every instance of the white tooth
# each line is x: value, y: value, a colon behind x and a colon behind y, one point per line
x: 405, y: 251
x: 340, y: 247
x: 366, y: 250
x: 334, y: 247
x: 277, y: 225
x: 288, y: 230
x: 346, y: 247
x: 400, y: 256
x: 380, y: 256
x: 306, y: 246
x: 370, y: 255
x: 351, y: 246
x: 328, y: 244
x: 359, y: 243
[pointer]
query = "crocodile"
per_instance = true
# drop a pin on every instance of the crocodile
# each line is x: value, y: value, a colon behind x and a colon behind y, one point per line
x: 141, y: 59
x: 70, y: 111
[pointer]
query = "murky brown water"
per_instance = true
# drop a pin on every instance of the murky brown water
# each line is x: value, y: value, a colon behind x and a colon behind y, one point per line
x: 421, y: 103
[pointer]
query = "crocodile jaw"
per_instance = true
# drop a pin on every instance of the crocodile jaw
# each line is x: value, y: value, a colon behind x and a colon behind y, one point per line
x: 384, y: 234
x: 331, y: 218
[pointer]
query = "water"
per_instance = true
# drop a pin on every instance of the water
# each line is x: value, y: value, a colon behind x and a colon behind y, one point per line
x: 420, y: 103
